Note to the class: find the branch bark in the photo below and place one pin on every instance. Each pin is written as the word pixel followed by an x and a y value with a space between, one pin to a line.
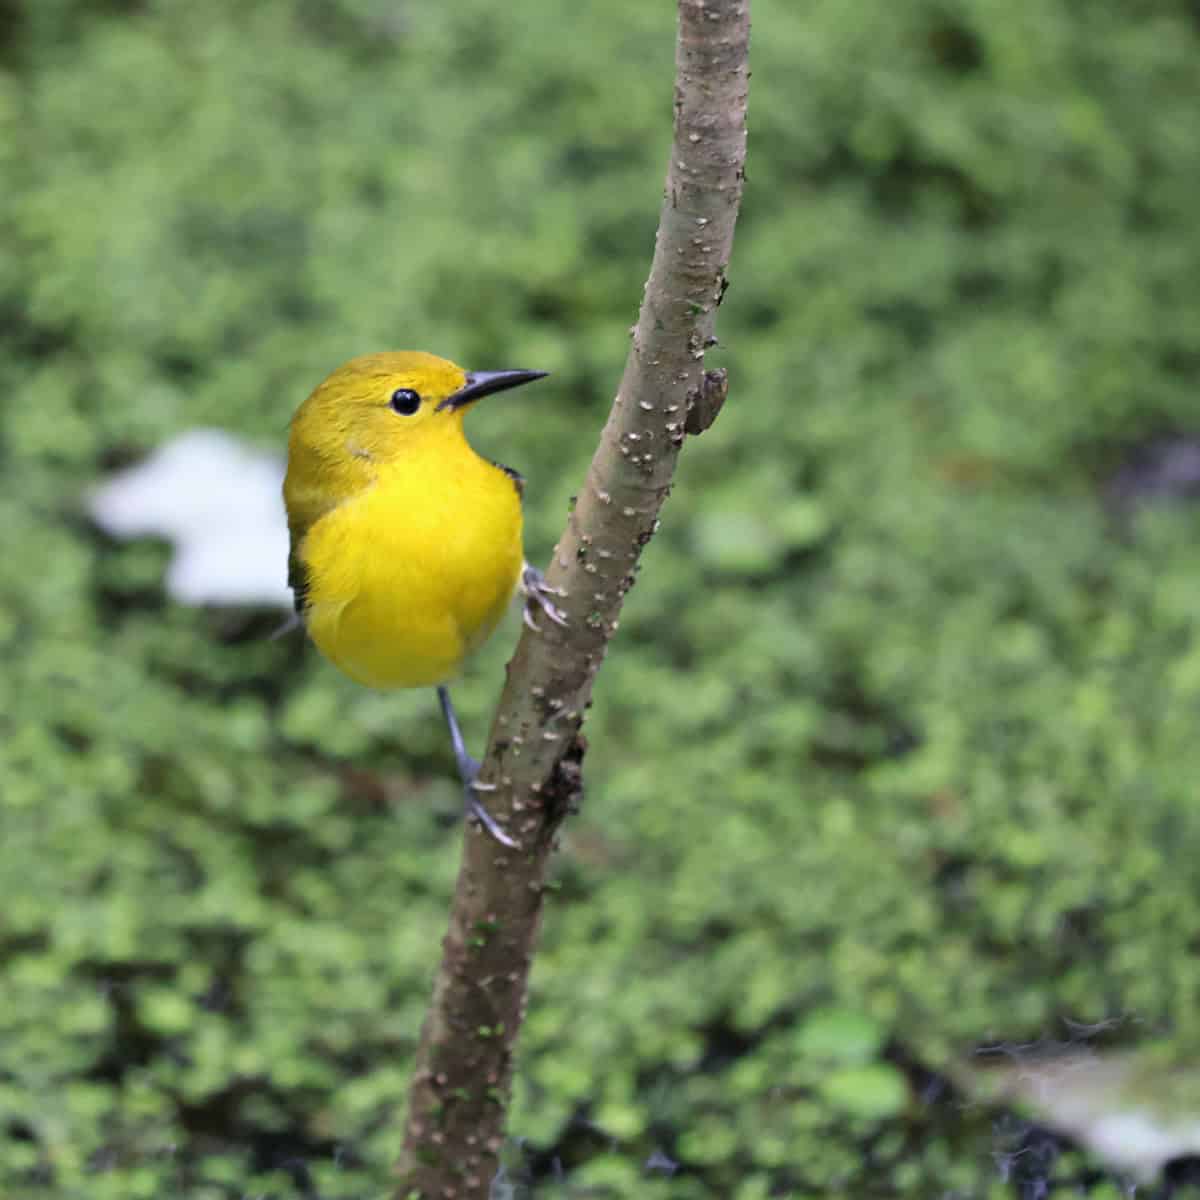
pixel 461 1083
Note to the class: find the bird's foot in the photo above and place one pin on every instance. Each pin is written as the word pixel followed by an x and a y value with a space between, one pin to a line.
pixel 468 772
pixel 474 806
pixel 475 809
pixel 538 593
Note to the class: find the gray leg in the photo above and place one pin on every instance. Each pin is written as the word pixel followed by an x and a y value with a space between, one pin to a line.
pixel 468 769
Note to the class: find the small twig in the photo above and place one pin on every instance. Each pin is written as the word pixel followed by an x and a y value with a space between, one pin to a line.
pixel 460 1089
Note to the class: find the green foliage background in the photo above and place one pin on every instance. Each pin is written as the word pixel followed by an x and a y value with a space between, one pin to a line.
pixel 896 753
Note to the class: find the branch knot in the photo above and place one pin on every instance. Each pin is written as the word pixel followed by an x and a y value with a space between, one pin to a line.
pixel 706 401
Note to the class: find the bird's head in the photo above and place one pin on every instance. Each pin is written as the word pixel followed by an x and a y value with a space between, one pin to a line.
pixel 379 407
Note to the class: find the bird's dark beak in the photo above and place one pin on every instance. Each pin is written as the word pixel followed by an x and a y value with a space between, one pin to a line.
pixel 484 383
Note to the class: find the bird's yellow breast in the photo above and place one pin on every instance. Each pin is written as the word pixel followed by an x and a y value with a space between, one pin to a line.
pixel 410 574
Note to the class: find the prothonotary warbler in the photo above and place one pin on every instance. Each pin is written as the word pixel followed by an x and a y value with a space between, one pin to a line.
pixel 405 543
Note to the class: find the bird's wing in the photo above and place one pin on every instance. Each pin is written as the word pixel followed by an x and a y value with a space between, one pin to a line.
pixel 297 578
pixel 516 476
pixel 306 505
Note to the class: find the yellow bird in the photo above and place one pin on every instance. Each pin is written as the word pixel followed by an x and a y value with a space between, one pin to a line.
pixel 405 543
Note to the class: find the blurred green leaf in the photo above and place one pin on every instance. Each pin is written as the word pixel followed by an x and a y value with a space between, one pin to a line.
pixel 840 1036
pixel 873 1091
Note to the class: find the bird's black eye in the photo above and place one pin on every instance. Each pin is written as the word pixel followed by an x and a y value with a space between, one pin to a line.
pixel 405 401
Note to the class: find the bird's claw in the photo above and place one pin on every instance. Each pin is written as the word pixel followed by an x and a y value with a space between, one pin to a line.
pixel 538 595
pixel 468 771
pixel 475 809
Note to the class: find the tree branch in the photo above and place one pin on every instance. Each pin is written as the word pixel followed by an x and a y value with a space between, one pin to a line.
pixel 461 1083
